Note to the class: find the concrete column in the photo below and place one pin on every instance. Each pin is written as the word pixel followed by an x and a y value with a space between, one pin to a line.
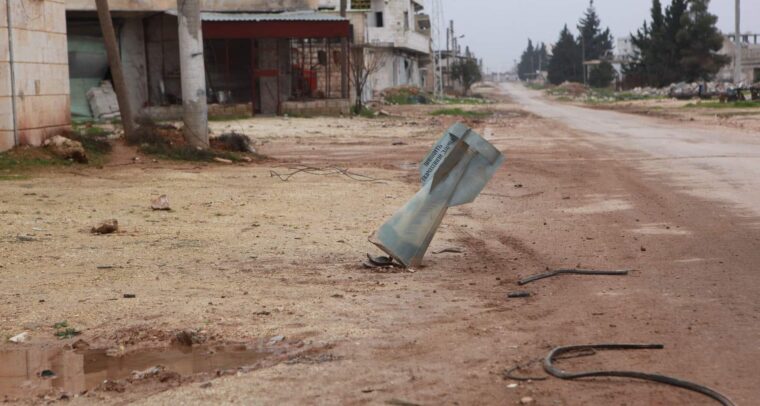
pixel 135 62
pixel 738 46
pixel 193 73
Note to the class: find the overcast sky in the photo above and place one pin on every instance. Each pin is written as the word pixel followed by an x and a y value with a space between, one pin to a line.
pixel 498 30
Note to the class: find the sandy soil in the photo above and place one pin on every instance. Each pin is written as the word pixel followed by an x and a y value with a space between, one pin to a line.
pixel 244 255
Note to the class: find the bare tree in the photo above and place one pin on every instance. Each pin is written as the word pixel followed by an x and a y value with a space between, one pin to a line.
pixel 114 60
pixel 364 63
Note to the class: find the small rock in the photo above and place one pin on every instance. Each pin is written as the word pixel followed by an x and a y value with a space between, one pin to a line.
pixel 512 386
pixel 247 159
pixel 160 203
pixel 106 227
pixel 20 338
pixel 526 400
pixel 25 238
pixel 205 385
pixel 276 339
pixel 222 160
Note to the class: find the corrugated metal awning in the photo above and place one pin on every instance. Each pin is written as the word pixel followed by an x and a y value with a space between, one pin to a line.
pixel 291 16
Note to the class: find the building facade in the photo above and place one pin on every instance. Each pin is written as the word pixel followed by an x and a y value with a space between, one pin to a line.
pixel 34 86
pixel 272 56
pixel 396 32
pixel 750 58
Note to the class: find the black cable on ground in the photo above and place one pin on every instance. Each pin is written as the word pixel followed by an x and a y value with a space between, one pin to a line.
pixel 544 275
pixel 559 351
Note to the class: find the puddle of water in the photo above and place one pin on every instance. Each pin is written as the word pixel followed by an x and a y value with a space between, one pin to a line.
pixel 32 371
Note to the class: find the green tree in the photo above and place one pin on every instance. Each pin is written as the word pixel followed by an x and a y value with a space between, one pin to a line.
pixel 564 65
pixel 468 71
pixel 526 69
pixel 680 44
pixel 595 44
pixel 601 75
pixel 699 42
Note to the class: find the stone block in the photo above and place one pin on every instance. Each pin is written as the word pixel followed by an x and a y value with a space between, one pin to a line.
pixel 5 79
pixel 6 114
pixel 6 140
pixel 55 17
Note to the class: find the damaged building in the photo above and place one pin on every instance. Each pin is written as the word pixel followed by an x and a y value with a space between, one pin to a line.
pixel 397 32
pixel 262 57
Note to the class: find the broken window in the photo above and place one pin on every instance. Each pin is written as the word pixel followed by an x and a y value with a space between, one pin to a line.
pixel 406 21
pixel 379 19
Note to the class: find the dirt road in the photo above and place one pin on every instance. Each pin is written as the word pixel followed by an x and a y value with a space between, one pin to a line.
pixel 245 256
pixel 713 162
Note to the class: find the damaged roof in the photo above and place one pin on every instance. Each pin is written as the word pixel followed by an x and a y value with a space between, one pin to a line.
pixel 262 17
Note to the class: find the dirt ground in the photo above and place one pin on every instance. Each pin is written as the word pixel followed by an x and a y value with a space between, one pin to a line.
pixel 244 256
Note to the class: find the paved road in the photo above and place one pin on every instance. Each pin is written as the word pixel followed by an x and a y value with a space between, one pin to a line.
pixel 720 164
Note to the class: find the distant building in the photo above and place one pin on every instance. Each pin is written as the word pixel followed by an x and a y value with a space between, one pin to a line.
pixel 750 58
pixel 398 32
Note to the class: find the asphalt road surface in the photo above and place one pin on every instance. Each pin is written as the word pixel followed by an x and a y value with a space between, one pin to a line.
pixel 709 162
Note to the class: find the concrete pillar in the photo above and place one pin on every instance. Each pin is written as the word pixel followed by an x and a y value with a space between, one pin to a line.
pixel 738 46
pixel 193 73
pixel 135 62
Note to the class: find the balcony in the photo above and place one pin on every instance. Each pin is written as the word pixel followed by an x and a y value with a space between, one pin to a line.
pixel 404 39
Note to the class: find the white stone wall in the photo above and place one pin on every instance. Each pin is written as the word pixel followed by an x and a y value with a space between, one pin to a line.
pixel 41 71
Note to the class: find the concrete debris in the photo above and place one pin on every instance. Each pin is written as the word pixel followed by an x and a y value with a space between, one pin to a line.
pixel 103 102
pixel 276 339
pixel 150 372
pixel 454 173
pixel 65 148
pixel 20 338
pixel 160 203
pixel 106 227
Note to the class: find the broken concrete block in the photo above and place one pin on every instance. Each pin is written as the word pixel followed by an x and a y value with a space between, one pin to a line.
pixel 103 102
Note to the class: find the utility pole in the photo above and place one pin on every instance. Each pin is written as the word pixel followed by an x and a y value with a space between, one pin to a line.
pixel 738 46
pixel 192 73
pixel 117 73
pixel 583 58
pixel 344 50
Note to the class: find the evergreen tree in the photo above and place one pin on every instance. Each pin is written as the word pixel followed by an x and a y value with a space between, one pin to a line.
pixel 595 44
pixel 542 58
pixel 526 69
pixel 699 41
pixel 564 64
pixel 679 45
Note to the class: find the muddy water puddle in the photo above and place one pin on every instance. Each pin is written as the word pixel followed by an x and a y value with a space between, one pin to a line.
pixel 32 371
